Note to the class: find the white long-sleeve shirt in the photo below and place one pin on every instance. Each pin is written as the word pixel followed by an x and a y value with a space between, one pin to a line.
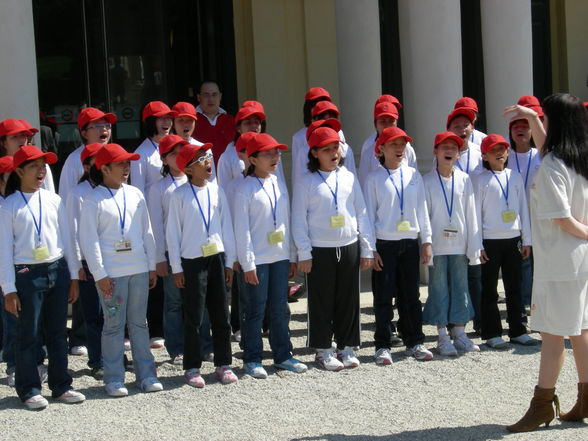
pixel 18 234
pixel 71 172
pixel 300 155
pixel 158 203
pixel 368 162
pixel 230 166
pixel 476 138
pixel 186 231
pixel 100 227
pixel 73 208
pixel 468 240
pixel 253 221
pixel 146 171
pixel 527 164
pixel 470 160
pixel 384 203
pixel 313 206
pixel 491 205
pixel 49 183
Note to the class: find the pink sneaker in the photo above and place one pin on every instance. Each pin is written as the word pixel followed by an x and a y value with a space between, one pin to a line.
pixel 225 375
pixel 193 378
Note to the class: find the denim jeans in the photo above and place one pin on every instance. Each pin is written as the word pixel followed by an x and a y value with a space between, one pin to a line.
pixel 128 304
pixel 448 300
pixel 273 292
pixel 43 291
pixel 526 281
pixel 93 317
pixel 475 290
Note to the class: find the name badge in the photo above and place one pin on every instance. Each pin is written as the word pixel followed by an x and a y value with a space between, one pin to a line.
pixel 209 249
pixel 122 246
pixel 275 237
pixel 337 221
pixel 403 226
pixel 41 253
pixel 509 216
pixel 450 232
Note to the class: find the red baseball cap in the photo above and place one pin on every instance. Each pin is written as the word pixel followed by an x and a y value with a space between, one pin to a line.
pixel 249 110
pixel 467 102
pixel 253 103
pixel 90 114
pixel 317 92
pixel 169 142
pixel 183 108
pixel 6 164
pixel 490 141
pixel 444 136
pixel 323 132
pixel 90 150
pixel 263 141
pixel 11 126
pixel 113 153
pixel 461 111
pixel 324 106
pixel 156 109
pixel 531 102
pixel 389 99
pixel 30 153
pixel 187 153
pixel 385 109
pixel 243 140
pixel 390 134
pixel 586 104
pixel 29 127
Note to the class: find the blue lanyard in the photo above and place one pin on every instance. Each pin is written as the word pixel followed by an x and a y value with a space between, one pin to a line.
pixel 174 181
pixel 504 193
pixel 38 225
pixel 206 222
pixel 528 165
pixel 447 205
pixel 467 170
pixel 400 193
pixel 153 144
pixel 121 216
pixel 334 193
pixel 273 205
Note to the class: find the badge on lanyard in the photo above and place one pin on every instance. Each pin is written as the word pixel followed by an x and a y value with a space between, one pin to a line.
pixel 210 248
pixel 402 226
pixel 508 215
pixel 123 245
pixel 337 221
pixel 449 232
pixel 275 236
pixel 40 252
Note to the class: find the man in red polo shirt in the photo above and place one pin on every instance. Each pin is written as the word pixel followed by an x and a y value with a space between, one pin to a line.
pixel 214 124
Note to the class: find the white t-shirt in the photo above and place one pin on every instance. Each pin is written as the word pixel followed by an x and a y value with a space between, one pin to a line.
pixel 476 137
pixel 73 208
pixel 558 192
pixel 71 172
pixel 146 171
pixel 527 164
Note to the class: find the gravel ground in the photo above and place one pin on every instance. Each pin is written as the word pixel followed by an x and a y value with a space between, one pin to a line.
pixel 471 397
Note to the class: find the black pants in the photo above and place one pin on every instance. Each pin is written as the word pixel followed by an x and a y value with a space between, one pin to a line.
pixel 399 278
pixel 155 310
pixel 333 297
pixel 502 254
pixel 205 288
pixel 77 333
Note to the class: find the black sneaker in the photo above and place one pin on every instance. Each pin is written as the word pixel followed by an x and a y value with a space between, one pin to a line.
pixel 395 340
pixel 97 373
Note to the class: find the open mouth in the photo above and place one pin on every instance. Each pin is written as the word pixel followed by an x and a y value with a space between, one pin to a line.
pixel 40 178
pixel 208 169
pixel 104 138
pixel 273 164
pixel 499 158
pixel 165 129
pixel 186 131
pixel 448 158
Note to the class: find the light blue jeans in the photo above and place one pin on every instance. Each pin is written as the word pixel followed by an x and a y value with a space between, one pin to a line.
pixel 128 304
pixel 449 299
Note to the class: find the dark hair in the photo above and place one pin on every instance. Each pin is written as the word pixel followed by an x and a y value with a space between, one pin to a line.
pixel 307 109
pixel 2 148
pixel 96 175
pixel 149 127
pixel 251 168
pixel 511 139
pixel 165 168
pixel 209 82
pixel 13 182
pixel 84 139
pixel 314 164
pixel 382 159
pixel 486 164
pixel 86 175
pixel 237 134
pixel 567 131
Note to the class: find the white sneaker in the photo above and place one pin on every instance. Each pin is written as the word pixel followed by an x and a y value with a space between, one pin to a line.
pixel 36 402
pixel 525 340
pixel 327 360
pixel 464 344
pixel 156 343
pixel 256 370
pixel 497 343
pixel 10 379
pixel 383 357
pixel 116 389
pixel 178 359
pixel 151 384
pixel 419 352
pixel 127 344
pixel 445 347
pixel 348 358
pixel 71 397
pixel 78 350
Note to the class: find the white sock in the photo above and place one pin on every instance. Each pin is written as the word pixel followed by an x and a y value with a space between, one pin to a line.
pixel 458 330
pixel 442 332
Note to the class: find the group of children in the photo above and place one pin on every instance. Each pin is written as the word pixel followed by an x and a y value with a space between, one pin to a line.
pixel 125 219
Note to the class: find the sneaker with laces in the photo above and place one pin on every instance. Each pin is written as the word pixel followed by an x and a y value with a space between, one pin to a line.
pixel 395 340
pixel 151 384
pixel 193 378
pixel 464 344
pixel 292 365
pixel 178 359
pixel 237 336
pixel 71 397
pixel 127 344
pixel 208 357
pixel 383 357
pixel 97 373
pixel 156 343
pixel 348 358
pixel 419 352
pixel 256 370
pixel 445 347
pixel 43 373
pixel 525 340
pixel 78 350
pixel 327 360
pixel 36 402
pixel 225 374
pixel 10 379
pixel 116 389
pixel 497 343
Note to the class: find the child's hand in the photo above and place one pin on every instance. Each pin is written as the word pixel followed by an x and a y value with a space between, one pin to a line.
pixel 179 280
pixel 526 251
pixel 106 284
pixel 251 277
pixel 229 276
pixel 426 253
pixel 366 263
pixel 519 112
pixel 483 257
pixel 293 270
pixel 152 279
pixel 74 292
pixel 82 274
pixel 378 263
pixel 162 269
pixel 12 303
pixel 305 266
pixel 237 267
